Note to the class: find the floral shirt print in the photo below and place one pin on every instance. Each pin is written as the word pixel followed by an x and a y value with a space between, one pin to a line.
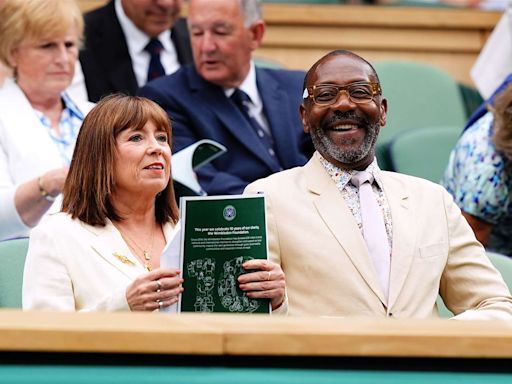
pixel 480 181
pixel 350 193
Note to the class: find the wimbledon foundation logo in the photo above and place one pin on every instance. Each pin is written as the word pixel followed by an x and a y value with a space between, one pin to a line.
pixel 229 212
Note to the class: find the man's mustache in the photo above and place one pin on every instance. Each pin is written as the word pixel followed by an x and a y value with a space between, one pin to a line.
pixel 340 116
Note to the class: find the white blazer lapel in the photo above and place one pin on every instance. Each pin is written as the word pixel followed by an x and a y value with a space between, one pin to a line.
pixel 108 244
pixel 404 234
pixel 340 221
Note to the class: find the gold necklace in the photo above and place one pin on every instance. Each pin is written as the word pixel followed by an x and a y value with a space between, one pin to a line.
pixel 146 260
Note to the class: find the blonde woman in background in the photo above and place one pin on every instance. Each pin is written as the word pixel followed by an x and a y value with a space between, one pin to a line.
pixel 39 122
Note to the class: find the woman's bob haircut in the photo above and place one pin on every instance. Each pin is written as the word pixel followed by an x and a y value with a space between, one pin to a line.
pixel 91 179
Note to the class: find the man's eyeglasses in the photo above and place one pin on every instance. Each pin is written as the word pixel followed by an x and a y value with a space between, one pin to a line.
pixel 361 92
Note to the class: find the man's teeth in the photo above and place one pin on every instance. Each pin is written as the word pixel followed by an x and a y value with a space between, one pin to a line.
pixel 344 127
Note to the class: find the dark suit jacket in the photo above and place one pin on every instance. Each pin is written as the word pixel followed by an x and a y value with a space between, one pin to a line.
pixel 105 60
pixel 200 110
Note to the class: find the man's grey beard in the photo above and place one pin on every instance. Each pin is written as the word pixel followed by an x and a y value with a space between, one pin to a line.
pixel 325 145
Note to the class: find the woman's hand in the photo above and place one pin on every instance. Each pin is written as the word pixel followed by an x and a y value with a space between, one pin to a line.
pixel 266 281
pixel 53 181
pixel 154 290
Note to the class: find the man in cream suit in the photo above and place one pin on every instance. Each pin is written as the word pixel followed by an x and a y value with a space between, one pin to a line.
pixel 317 224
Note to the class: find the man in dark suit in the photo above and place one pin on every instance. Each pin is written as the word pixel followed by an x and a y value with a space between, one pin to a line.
pixel 260 126
pixel 114 58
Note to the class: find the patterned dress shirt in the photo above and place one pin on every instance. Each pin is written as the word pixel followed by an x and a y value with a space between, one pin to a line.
pixel 69 125
pixel 350 193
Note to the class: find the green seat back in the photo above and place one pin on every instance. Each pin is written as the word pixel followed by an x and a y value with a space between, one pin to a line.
pixel 264 62
pixel 504 265
pixel 12 255
pixel 419 95
pixel 423 152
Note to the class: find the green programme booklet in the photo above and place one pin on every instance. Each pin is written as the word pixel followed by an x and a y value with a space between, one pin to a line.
pixel 218 234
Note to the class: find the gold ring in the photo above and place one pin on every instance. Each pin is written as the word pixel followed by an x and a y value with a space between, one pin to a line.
pixel 269 274
pixel 158 286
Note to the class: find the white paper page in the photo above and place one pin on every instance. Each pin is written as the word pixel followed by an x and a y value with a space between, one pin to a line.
pixel 183 170
pixel 495 60
pixel 170 258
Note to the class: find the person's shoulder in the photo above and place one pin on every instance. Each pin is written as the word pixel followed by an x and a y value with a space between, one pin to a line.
pixel 178 78
pixel 480 128
pixel 59 220
pixel 417 184
pixel 283 73
pixel 99 13
pixel 171 87
pixel 277 181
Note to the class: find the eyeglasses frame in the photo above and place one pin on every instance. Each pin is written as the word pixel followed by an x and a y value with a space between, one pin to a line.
pixel 376 90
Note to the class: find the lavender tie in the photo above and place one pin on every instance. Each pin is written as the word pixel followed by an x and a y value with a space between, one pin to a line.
pixel 374 229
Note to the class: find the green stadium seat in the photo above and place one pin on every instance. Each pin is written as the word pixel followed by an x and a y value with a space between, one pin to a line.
pixel 419 95
pixel 12 254
pixel 423 152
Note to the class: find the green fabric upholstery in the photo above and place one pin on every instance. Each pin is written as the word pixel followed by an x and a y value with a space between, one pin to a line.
pixel 502 263
pixel 264 62
pixel 419 95
pixel 472 98
pixel 12 254
pixel 423 152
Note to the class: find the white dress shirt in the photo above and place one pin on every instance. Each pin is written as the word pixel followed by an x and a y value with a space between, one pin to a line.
pixel 250 87
pixel 136 40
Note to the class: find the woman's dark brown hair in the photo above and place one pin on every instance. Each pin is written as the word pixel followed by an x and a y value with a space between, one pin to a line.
pixel 91 178
pixel 502 128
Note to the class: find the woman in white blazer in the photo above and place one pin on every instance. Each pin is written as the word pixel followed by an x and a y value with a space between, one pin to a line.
pixel 102 252
pixel 39 123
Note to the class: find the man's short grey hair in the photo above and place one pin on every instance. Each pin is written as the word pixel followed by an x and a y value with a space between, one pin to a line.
pixel 251 10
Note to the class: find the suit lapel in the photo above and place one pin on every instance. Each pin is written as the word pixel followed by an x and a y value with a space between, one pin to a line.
pixel 275 99
pixel 230 116
pixel 108 244
pixel 335 213
pixel 402 216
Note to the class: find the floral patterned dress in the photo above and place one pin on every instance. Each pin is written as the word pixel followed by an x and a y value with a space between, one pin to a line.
pixel 480 181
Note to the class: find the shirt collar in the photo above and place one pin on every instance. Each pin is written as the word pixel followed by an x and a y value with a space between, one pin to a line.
pixel 71 106
pixel 136 40
pixel 342 176
pixel 249 86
